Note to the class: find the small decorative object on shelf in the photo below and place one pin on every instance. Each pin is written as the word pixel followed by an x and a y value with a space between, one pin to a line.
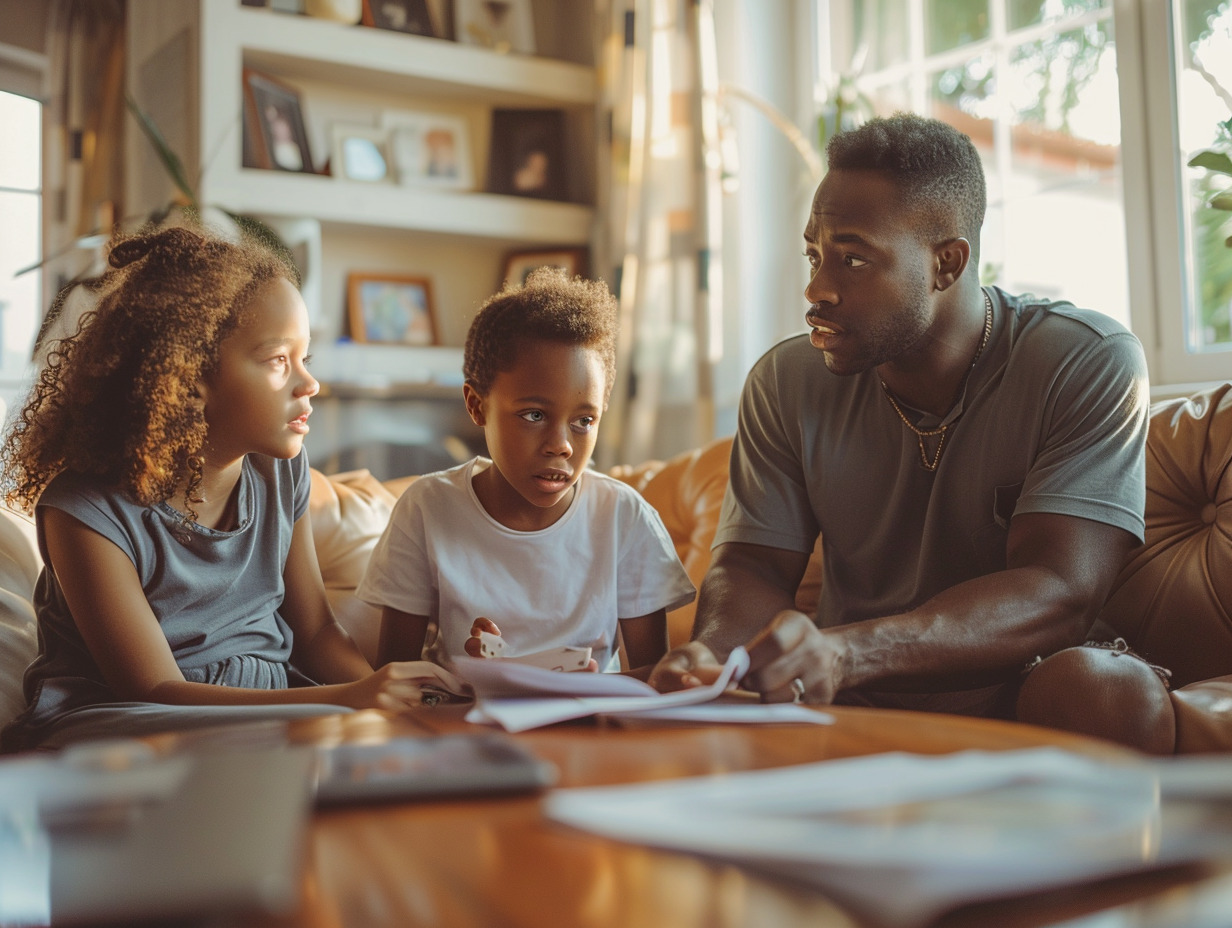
pixel 502 25
pixel 339 11
pixel 392 308
pixel 430 149
pixel 528 154
pixel 410 16
pixel 359 153
pixel 274 132
pixel 518 264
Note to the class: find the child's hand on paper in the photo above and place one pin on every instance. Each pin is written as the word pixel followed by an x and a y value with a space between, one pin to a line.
pixel 474 644
pixel 692 664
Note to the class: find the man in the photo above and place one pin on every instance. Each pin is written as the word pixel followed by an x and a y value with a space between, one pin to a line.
pixel 973 462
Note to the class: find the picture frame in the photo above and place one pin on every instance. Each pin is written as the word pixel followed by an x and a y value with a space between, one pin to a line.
pixel 359 153
pixel 430 149
pixel 390 308
pixel 501 25
pixel 519 264
pixel 527 156
pixel 275 137
pixel 410 16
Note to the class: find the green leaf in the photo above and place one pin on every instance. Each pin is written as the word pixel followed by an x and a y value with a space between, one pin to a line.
pixel 170 160
pixel 1212 161
pixel 1222 200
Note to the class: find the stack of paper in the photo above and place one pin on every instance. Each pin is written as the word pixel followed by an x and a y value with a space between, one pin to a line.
pixel 901 838
pixel 519 697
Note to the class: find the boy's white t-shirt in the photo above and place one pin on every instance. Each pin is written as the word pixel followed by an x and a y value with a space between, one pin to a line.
pixel 607 558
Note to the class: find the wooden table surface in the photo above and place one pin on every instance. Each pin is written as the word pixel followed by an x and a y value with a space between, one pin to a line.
pixel 493 862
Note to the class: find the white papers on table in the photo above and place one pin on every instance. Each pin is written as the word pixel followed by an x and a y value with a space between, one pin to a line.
pixel 519 697
pixel 900 838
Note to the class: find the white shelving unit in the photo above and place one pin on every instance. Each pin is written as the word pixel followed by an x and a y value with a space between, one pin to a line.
pixel 186 61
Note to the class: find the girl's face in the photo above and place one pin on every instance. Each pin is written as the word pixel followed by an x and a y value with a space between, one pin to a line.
pixel 259 399
pixel 540 421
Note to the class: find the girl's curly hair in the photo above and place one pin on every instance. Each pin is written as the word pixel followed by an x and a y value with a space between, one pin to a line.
pixel 118 397
pixel 548 306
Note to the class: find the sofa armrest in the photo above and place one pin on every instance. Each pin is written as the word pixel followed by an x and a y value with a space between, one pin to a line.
pixel 1204 716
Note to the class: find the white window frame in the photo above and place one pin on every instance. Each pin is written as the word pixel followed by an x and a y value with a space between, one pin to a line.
pixel 1152 169
pixel 23 72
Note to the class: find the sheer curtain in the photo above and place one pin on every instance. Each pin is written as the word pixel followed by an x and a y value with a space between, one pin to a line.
pixel 659 249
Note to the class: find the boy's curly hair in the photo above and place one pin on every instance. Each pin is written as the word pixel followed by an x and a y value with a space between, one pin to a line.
pixel 548 306
pixel 118 397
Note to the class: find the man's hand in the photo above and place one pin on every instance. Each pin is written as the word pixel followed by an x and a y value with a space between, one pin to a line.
pixel 792 648
pixel 692 664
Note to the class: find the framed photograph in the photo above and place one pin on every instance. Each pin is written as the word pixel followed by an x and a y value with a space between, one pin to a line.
pixel 275 136
pixel 430 150
pixel 411 16
pixel 519 264
pixel 359 153
pixel 390 308
pixel 527 157
pixel 501 25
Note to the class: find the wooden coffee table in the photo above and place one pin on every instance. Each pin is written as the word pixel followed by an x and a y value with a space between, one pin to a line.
pixel 498 862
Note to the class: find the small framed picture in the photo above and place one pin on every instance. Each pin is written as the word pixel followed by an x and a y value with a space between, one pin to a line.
pixel 519 264
pixel 411 16
pixel 430 149
pixel 390 308
pixel 502 25
pixel 527 157
pixel 359 153
pixel 274 132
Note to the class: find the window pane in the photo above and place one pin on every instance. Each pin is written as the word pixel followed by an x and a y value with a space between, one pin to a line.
pixel 19 296
pixel 951 23
pixel 20 235
pixel 876 37
pixel 1204 100
pixel 1023 13
pixel 19 160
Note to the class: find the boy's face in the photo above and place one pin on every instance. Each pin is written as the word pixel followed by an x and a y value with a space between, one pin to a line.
pixel 540 420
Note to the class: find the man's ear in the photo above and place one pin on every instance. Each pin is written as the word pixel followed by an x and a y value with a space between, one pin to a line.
pixel 474 404
pixel 951 259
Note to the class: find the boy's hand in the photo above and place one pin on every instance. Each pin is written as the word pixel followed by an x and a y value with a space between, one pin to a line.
pixel 475 644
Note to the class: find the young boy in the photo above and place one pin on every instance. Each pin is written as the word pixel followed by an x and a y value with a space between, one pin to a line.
pixel 530 544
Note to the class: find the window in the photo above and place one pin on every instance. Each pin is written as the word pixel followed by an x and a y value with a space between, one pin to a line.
pixel 1089 198
pixel 20 235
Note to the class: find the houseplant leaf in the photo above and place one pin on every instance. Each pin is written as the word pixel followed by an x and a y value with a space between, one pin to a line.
pixel 1213 161
pixel 170 160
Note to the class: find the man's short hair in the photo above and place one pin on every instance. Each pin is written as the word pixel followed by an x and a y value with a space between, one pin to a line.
pixel 936 168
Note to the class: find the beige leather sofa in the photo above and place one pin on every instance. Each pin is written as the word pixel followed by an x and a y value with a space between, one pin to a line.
pixel 1172 601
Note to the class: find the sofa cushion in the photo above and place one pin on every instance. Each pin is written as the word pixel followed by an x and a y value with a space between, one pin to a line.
pixel 19 568
pixel 1173 600
pixel 349 512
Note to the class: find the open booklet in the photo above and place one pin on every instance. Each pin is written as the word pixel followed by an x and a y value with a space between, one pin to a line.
pixel 519 697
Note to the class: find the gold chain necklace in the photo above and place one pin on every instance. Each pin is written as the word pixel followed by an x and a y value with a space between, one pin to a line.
pixel 943 430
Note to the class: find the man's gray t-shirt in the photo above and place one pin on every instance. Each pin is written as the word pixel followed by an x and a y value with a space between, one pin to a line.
pixel 1053 420
pixel 216 595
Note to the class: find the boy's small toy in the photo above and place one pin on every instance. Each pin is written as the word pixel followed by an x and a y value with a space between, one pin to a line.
pixel 566 658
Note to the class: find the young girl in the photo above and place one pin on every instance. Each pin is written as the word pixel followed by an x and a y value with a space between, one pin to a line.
pixel 161 452
pixel 530 544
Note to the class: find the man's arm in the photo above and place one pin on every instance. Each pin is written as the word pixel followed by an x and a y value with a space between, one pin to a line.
pixel 1059 571
pixel 745 587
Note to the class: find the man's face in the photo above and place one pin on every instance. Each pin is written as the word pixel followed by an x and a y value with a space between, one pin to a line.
pixel 870 287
